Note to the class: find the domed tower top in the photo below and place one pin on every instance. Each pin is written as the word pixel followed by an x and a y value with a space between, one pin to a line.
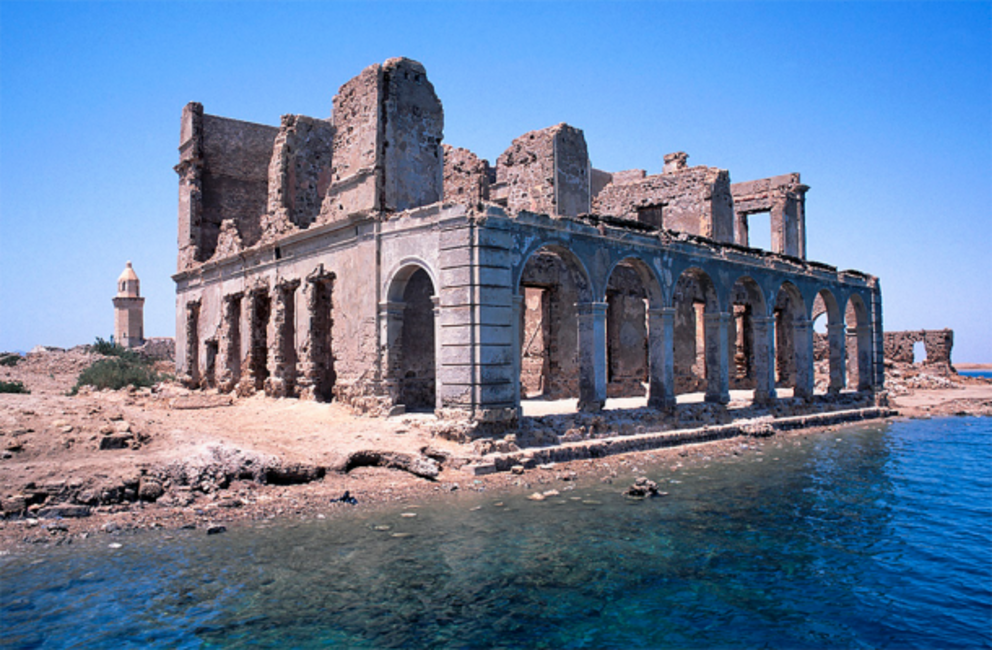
pixel 128 285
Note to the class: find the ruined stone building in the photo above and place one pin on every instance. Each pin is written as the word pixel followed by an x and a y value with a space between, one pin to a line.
pixel 357 258
pixel 129 310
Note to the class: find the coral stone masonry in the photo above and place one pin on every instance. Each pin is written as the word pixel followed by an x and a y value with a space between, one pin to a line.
pixel 359 259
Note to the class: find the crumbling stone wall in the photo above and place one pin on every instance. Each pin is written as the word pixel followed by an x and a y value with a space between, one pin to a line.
pixel 466 176
pixel 224 176
pixel 694 200
pixel 356 183
pixel 545 171
pixel 938 344
pixel 300 169
pixel 388 124
pixel 414 124
pixel 784 197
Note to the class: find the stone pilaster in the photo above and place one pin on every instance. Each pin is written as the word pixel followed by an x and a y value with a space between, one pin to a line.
pixel 803 330
pixel 717 366
pixel 764 359
pixel 592 355
pixel 661 358
pixel 838 356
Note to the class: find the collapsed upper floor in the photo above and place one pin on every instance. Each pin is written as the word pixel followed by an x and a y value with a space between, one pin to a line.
pixel 381 153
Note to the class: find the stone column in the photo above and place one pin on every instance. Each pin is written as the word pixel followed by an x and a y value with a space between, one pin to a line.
pixel 803 339
pixel 592 355
pixel 764 359
pixel 661 358
pixel 282 351
pixel 838 355
pixel 717 368
pixel 391 324
pixel 230 344
pixel 517 304
pixel 192 375
pixel 862 334
pixel 436 302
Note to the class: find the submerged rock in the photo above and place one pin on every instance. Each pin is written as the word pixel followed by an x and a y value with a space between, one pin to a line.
pixel 643 487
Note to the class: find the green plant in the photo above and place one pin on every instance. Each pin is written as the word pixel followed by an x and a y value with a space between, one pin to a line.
pixel 110 349
pixel 121 368
pixel 13 387
pixel 9 358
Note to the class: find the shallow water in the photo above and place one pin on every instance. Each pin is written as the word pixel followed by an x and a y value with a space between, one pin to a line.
pixel 976 373
pixel 871 537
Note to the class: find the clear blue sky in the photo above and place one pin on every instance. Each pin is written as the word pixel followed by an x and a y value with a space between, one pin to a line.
pixel 885 109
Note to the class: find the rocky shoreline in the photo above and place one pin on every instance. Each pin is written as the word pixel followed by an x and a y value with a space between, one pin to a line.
pixel 107 463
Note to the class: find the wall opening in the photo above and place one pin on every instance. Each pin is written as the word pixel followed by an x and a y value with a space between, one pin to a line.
pixel 286 361
pixel 261 309
pixel 535 344
pixel 322 373
pixel 919 352
pixel 193 342
pixel 417 370
pixel 651 215
pixel 551 286
pixel 210 362
pixel 694 299
pixel 626 334
pixel 742 351
pixel 233 318
pixel 759 230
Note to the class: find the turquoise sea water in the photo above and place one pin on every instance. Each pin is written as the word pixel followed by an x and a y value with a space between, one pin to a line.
pixel 977 373
pixel 875 537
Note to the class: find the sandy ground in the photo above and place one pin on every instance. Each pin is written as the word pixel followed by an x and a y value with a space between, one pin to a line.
pixel 201 459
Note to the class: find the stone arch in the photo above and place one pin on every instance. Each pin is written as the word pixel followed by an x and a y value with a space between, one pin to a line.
pixel 554 290
pixel 632 293
pixel 829 347
pixel 410 360
pixel 747 342
pixel 700 337
pixel 646 274
pixel 400 274
pixel 859 357
pixel 793 340
pixel 574 263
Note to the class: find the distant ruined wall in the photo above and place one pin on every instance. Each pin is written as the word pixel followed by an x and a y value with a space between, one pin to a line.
pixel 938 344
pixel 899 346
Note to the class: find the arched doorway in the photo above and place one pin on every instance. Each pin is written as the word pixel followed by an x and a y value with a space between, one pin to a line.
pixel 793 342
pixel 751 341
pixel 411 357
pixel 829 341
pixel 859 355
pixel 638 335
pixel 700 338
pixel 556 302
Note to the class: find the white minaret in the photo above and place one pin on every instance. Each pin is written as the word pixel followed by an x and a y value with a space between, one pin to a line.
pixel 129 310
